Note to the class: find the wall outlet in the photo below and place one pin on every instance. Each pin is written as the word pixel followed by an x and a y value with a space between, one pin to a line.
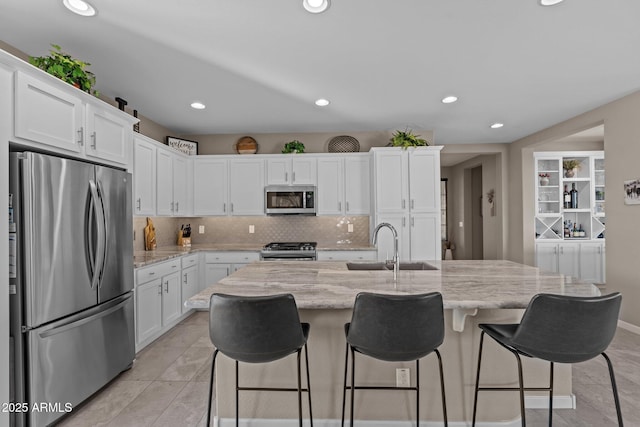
pixel 350 228
pixel 252 229
pixel 403 378
pixel 201 229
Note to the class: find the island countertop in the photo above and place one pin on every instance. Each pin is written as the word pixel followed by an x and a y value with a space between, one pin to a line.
pixel 465 285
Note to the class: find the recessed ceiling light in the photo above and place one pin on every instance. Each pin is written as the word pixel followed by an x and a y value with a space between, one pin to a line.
pixel 497 125
pixel 449 99
pixel 322 102
pixel 549 2
pixel 315 6
pixel 79 7
pixel 198 105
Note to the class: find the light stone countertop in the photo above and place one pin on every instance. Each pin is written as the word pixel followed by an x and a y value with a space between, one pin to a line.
pixel 145 258
pixel 465 285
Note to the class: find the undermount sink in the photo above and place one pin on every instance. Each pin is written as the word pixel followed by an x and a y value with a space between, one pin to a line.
pixel 384 266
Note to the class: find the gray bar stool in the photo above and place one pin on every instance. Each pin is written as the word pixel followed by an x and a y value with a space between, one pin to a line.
pixel 258 330
pixel 556 328
pixel 394 328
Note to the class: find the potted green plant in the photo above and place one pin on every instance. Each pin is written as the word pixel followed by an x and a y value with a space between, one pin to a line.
pixel 570 166
pixel 406 139
pixel 294 146
pixel 67 68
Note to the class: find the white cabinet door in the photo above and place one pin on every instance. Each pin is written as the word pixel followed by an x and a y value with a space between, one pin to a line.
pixel 357 191
pixel 214 273
pixel 109 138
pixel 144 174
pixel 246 187
pixel 48 115
pixel 352 255
pixel 547 257
pixel 148 309
pixel 385 237
pixel 164 180
pixel 424 181
pixel 171 300
pixel 190 284
pixel 210 186
pixel 425 238
pixel 278 170
pixel 303 170
pixel 180 186
pixel 591 262
pixel 391 181
pixel 330 186
pixel 569 259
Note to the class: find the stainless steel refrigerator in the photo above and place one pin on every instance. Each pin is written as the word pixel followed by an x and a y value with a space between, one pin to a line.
pixel 71 297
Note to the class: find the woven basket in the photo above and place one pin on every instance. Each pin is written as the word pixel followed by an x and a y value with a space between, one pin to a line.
pixel 344 144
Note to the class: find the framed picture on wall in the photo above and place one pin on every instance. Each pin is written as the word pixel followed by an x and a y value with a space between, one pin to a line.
pixel 632 192
pixel 183 145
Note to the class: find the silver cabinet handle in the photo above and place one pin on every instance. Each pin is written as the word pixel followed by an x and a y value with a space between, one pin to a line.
pixel 81 136
pixel 286 177
pixel 160 289
pixel 93 140
pixel 171 206
pixel 561 250
pixel 152 273
pixel 339 206
pixel 224 207
pixel 232 207
pixel 139 203
pixel 403 203
pixel 177 206
pixel 555 250
pixel 403 221
pixel 347 206
pixel 228 271
pixel 413 222
pixel 184 280
pixel 166 286
pixel 412 203
pixel 599 250
pixel 293 177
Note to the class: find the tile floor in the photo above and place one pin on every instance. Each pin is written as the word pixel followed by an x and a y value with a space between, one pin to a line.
pixel 168 386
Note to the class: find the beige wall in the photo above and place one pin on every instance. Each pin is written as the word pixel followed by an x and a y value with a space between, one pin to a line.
pixel 272 143
pixel 622 152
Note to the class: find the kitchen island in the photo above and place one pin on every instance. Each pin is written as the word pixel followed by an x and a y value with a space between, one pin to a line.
pixel 473 292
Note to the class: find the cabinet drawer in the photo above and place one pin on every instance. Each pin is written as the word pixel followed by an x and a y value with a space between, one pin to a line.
pixel 189 260
pixel 156 271
pixel 354 255
pixel 231 257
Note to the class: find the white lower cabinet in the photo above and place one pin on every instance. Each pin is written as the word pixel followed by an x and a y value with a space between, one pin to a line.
pixel 350 255
pixel 160 292
pixel 219 265
pixel 582 260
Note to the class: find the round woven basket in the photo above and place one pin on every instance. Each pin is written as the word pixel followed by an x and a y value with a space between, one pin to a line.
pixel 246 145
pixel 343 144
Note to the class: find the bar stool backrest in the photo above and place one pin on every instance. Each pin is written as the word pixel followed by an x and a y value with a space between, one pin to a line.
pixel 255 329
pixel 567 329
pixel 396 327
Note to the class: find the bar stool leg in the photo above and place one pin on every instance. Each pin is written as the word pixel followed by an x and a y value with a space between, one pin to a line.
pixel 418 393
pixel 353 384
pixel 551 394
pixel 444 400
pixel 306 358
pixel 475 396
pixel 521 383
pixel 344 388
pixel 213 366
pixel 237 396
pixel 615 389
pixel 299 391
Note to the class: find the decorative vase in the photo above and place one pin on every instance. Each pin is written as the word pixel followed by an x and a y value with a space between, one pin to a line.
pixel 569 173
pixel 544 180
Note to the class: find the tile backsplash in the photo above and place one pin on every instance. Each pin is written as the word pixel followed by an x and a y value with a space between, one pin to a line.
pixel 326 230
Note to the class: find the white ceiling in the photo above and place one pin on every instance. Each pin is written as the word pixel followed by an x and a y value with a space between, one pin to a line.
pixel 259 65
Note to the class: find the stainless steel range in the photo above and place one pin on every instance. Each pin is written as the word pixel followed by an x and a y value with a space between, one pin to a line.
pixel 289 251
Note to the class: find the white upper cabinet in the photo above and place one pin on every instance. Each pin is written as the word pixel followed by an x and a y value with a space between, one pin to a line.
pixel 210 185
pixel 59 117
pixel 424 181
pixel 144 177
pixel 246 186
pixel 182 188
pixel 48 115
pixel 291 169
pixel 164 193
pixel 343 185
pixel 391 170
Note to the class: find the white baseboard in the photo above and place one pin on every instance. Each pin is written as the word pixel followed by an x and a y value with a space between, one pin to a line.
pixel 629 327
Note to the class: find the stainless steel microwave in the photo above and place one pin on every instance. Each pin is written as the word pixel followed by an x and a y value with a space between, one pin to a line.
pixel 290 200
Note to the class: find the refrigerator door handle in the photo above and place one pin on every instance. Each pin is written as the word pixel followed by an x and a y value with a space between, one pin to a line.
pixel 99 215
pixel 105 230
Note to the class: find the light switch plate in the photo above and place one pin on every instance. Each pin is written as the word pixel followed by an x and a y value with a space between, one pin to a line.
pixel 350 228
pixel 252 229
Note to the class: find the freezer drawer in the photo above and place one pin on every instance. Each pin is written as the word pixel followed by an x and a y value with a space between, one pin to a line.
pixel 71 359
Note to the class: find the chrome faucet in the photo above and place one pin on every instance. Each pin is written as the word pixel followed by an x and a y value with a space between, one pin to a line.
pixel 395 245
